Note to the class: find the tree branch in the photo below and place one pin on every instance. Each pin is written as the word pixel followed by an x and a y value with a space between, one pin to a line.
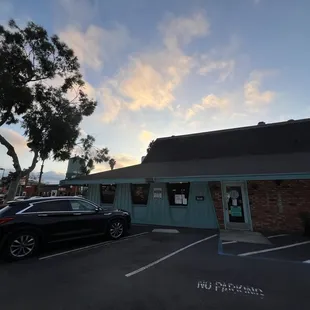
pixel 33 164
pixel 11 152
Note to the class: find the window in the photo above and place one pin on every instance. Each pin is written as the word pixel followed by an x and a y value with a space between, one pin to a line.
pixel 140 193
pixel 178 194
pixel 80 205
pixel 49 206
pixel 108 193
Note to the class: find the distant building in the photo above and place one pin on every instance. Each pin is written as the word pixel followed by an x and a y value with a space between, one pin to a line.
pixel 74 168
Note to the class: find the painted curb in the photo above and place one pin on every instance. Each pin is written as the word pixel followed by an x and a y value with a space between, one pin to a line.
pixel 163 230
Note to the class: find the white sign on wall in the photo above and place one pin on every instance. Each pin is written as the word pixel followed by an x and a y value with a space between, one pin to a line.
pixel 158 193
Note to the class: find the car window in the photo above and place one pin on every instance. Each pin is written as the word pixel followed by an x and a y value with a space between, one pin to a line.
pixel 80 205
pixel 49 206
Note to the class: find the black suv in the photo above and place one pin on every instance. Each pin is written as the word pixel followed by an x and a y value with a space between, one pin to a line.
pixel 26 225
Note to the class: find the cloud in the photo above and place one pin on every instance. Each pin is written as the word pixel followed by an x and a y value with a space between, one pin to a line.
pixel 79 12
pixel 52 176
pixel 225 68
pixel 112 104
pixel 150 80
pixel 96 45
pixel 17 140
pixel 253 96
pixel 125 160
pixel 179 31
pixel 208 102
pixel 122 160
pixel 151 77
pixel 146 136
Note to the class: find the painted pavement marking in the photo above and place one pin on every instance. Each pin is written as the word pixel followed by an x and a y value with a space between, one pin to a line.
pixel 167 256
pixel 92 246
pixel 307 261
pixel 228 242
pixel 275 236
pixel 274 249
pixel 237 289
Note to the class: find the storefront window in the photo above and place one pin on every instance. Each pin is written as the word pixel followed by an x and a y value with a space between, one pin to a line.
pixel 178 194
pixel 140 193
pixel 108 193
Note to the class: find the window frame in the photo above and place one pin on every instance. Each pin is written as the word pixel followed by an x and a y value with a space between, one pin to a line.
pixel 82 201
pixel 28 210
pixel 101 194
pixel 135 203
pixel 170 191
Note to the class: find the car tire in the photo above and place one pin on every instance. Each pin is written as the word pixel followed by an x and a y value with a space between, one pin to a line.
pixel 21 245
pixel 116 229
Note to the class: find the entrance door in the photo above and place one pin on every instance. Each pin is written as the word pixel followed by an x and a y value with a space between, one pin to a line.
pixel 236 208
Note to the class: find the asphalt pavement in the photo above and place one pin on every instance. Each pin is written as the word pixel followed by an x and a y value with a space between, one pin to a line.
pixel 152 271
pixel 283 247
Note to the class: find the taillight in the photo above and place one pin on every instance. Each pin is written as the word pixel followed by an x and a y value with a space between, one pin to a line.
pixel 6 219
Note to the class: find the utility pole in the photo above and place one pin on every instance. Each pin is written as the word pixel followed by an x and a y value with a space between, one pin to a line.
pixel 40 178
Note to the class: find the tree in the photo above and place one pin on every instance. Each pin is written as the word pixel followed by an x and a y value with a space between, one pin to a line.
pixel 150 146
pixel 30 64
pixel 112 163
pixel 89 155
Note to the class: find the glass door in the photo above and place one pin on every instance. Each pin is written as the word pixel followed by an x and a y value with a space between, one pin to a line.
pixel 235 205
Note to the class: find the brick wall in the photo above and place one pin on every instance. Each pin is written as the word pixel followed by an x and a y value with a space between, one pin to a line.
pixel 276 206
pixel 216 194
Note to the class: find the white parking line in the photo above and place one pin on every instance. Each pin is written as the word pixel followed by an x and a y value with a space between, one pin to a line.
pixel 92 246
pixel 275 236
pixel 274 249
pixel 228 242
pixel 167 256
pixel 307 261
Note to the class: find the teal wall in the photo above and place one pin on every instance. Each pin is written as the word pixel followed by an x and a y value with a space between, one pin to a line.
pixel 93 193
pixel 198 214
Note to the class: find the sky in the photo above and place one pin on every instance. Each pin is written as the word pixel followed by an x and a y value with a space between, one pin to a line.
pixel 172 67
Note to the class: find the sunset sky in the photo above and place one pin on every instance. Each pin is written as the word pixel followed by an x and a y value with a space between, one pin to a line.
pixel 171 67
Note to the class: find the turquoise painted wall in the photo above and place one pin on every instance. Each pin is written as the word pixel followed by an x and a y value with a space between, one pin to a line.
pixel 93 193
pixel 198 214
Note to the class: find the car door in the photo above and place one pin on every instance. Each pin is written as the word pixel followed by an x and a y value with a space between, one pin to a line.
pixel 89 219
pixel 54 218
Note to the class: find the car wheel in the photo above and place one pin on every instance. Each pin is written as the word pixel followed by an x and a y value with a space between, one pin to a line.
pixel 116 229
pixel 22 245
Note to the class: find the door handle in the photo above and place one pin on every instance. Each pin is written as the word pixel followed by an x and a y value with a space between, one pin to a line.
pixel 42 214
pixel 77 213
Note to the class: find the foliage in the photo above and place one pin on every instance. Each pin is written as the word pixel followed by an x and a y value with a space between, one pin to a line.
pixel 112 163
pixel 7 180
pixel 31 66
pixel 90 155
pixel 150 146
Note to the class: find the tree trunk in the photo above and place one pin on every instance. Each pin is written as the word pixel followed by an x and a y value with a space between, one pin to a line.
pixel 12 189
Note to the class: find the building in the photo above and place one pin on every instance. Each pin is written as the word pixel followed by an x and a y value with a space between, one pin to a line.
pixel 74 168
pixel 251 178
pixel 47 190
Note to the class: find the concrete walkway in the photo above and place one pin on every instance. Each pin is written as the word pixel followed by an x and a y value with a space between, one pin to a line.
pixel 243 236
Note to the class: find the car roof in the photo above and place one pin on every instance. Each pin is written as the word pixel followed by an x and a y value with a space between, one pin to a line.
pixel 45 199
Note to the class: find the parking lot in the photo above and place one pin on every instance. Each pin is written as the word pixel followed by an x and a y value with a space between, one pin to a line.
pixel 148 270
pixel 284 247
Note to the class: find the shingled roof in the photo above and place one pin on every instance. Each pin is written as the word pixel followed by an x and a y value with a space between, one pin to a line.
pixel 276 149
pixel 276 138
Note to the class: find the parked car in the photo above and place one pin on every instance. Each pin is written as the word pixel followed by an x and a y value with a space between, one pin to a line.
pixel 25 226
